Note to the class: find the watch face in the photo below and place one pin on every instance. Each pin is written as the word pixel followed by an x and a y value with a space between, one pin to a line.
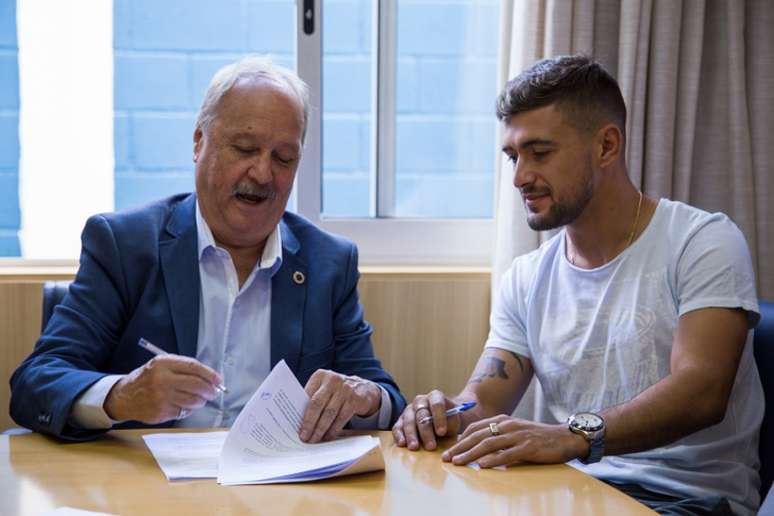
pixel 587 421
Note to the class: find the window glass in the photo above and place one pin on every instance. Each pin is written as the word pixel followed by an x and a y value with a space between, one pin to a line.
pixel 445 123
pixel 445 86
pixel 346 117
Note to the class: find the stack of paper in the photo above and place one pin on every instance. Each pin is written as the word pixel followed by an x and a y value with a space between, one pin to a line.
pixel 263 446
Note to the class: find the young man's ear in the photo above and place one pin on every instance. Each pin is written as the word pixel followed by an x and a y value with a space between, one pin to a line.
pixel 609 145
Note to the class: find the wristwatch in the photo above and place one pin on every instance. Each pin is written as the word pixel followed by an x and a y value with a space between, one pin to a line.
pixel 592 427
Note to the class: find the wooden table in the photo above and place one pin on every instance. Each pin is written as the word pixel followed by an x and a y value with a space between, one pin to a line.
pixel 117 474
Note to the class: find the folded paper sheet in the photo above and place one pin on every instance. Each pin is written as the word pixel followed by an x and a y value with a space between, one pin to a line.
pixel 263 446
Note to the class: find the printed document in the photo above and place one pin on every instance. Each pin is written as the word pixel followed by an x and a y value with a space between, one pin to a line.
pixel 185 456
pixel 263 446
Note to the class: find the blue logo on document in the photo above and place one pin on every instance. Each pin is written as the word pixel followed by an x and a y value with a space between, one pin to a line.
pixel 265 395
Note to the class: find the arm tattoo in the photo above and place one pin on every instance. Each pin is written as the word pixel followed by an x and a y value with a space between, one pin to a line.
pixel 517 357
pixel 493 367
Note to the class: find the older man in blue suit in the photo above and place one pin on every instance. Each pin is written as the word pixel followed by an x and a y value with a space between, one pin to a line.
pixel 223 280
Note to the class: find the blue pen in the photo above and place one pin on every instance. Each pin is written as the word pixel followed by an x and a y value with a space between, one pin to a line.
pixel 452 411
pixel 148 346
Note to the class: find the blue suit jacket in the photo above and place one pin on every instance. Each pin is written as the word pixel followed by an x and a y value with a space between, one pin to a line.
pixel 139 277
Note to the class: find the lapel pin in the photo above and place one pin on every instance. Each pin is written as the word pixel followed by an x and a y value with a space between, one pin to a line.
pixel 299 277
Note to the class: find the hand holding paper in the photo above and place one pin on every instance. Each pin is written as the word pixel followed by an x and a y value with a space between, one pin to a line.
pixel 263 446
pixel 334 399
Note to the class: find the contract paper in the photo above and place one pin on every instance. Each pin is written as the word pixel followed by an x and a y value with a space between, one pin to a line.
pixel 185 456
pixel 263 446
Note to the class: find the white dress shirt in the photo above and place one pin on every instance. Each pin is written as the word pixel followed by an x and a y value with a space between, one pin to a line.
pixel 234 339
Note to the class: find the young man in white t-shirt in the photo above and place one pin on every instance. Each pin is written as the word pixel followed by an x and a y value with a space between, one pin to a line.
pixel 635 317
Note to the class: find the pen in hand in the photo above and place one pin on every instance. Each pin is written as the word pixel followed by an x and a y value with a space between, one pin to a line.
pixel 148 346
pixel 452 411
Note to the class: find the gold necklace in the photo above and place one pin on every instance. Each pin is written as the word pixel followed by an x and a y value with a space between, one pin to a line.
pixel 636 220
pixel 631 233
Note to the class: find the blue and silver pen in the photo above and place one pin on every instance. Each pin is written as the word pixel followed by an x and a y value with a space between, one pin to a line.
pixel 452 411
pixel 148 346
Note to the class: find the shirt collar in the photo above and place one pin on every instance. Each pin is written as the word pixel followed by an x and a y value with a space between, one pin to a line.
pixel 272 251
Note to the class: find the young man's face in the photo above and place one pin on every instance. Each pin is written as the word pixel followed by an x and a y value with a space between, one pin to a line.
pixel 552 166
pixel 246 160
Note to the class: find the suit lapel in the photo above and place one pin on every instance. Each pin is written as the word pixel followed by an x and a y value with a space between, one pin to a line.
pixel 288 297
pixel 180 266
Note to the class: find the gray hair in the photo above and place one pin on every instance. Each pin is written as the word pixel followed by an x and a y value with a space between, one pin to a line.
pixel 252 67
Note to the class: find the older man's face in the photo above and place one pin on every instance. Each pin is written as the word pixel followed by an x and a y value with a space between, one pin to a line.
pixel 246 160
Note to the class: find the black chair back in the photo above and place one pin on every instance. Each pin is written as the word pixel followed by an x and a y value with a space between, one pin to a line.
pixel 53 293
pixel 764 358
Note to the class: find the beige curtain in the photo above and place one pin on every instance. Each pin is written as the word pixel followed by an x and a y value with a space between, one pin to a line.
pixel 698 80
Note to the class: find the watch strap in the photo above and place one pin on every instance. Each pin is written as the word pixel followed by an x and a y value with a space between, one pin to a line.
pixel 596 449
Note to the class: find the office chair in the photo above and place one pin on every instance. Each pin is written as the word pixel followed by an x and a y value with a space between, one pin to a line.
pixel 53 293
pixel 763 343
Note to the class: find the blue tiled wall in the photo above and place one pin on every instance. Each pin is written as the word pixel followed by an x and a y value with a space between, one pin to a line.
pixel 165 54
pixel 9 131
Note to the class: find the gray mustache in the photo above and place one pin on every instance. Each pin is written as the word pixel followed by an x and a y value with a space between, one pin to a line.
pixel 255 190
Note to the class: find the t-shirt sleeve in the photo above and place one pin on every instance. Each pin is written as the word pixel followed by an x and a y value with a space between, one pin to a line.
pixel 714 269
pixel 507 329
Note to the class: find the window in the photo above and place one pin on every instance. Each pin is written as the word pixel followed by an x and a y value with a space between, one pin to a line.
pixel 407 132
pixel 400 157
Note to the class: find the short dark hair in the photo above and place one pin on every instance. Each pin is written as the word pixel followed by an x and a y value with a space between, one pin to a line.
pixel 584 92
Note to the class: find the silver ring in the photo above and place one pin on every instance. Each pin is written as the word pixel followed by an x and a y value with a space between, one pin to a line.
pixel 183 413
pixel 494 429
pixel 425 420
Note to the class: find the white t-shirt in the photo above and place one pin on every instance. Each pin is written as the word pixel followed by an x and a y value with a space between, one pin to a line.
pixel 599 337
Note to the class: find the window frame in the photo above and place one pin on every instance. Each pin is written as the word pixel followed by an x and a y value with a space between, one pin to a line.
pixel 384 238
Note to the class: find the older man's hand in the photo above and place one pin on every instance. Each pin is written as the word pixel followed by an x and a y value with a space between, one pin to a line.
pixel 334 399
pixel 166 387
